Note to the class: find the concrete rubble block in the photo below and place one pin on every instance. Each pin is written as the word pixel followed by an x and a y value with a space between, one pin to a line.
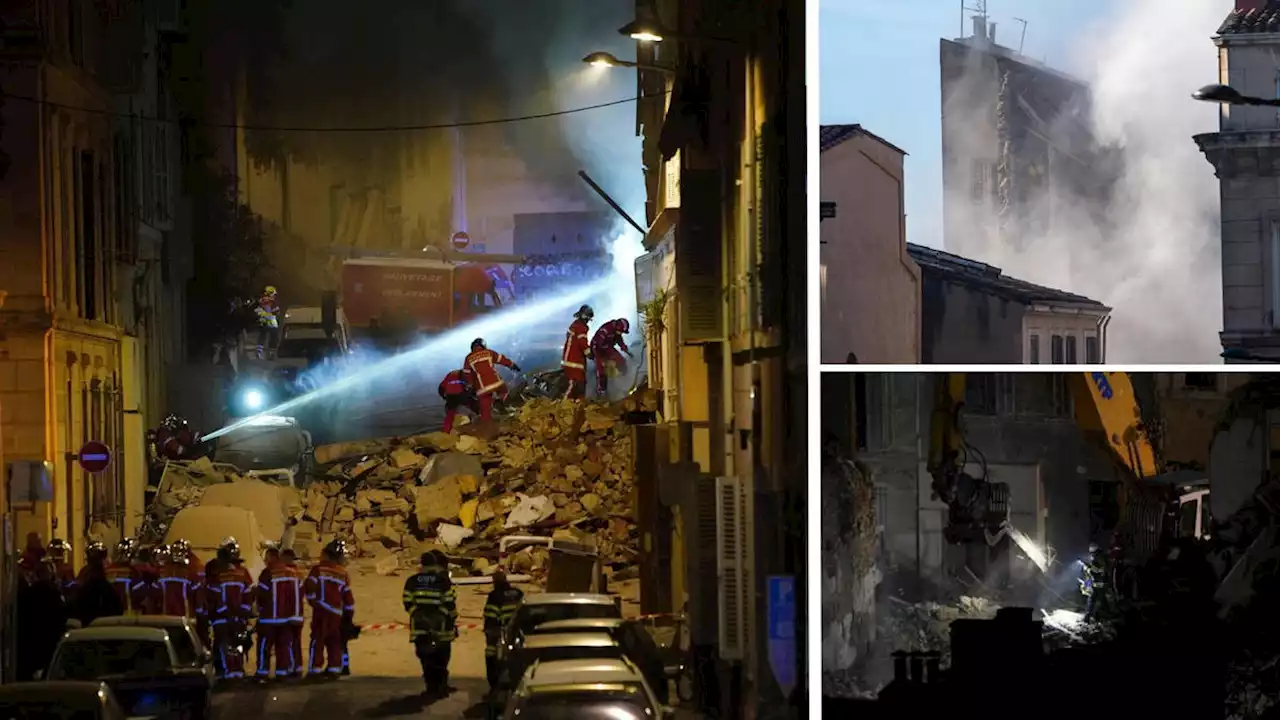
pixel 530 510
pixel 441 501
pixel 485 511
pixel 345 514
pixel 451 536
pixel 388 565
pixel 377 496
pixel 467 513
pixel 363 530
pixel 516 456
pixel 404 457
pixel 315 506
pixel 471 445
pixel 449 464
pixel 394 506
pixel 597 418
pixel 591 502
pixel 338 452
pixel 364 505
pixel 364 466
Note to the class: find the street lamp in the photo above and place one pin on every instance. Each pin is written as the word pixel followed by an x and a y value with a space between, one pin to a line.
pixel 604 59
pixel 1227 95
pixel 645 28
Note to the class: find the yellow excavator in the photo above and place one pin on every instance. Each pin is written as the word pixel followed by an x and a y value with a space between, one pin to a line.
pixel 1154 506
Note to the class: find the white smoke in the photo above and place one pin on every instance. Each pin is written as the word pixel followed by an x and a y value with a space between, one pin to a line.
pixel 1154 255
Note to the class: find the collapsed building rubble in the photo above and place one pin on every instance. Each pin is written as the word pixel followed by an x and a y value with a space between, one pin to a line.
pixel 557 468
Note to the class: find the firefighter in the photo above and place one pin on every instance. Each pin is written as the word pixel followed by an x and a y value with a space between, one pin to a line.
pixel 328 590
pixel 32 556
pixel 146 595
pixel 295 577
pixel 577 350
pixel 174 439
pixel 458 392
pixel 123 575
pixel 268 312
pixel 230 594
pixel 95 596
pixel 59 552
pixel 1095 583
pixel 604 351
pixel 431 602
pixel 484 376
pixel 279 596
pixel 499 609
pixel 181 583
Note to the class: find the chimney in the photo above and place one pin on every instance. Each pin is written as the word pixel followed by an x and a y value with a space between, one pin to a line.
pixel 991 35
pixel 980 25
pixel 1244 6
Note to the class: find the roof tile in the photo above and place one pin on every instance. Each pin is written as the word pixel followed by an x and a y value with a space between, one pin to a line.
pixel 1263 20
pixel 992 279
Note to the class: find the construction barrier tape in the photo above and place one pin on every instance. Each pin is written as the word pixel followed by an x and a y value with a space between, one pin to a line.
pixel 402 626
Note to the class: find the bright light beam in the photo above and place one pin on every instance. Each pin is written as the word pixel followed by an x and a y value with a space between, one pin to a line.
pixel 498 322
pixel 1034 552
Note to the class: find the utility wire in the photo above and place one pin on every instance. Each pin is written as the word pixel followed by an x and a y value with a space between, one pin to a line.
pixel 374 129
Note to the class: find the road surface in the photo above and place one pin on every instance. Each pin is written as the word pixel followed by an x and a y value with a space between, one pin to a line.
pixel 351 697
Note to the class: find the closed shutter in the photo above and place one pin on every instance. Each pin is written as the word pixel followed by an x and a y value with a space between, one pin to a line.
pixel 732 567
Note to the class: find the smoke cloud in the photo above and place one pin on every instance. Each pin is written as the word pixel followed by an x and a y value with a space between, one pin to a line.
pixel 1153 253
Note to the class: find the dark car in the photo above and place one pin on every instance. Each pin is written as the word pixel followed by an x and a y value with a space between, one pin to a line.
pixel 545 648
pixel 59 701
pixel 631 635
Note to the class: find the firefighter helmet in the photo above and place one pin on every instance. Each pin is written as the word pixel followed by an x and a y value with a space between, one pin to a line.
pixel 95 550
pixel 624 326
pixel 229 549
pixel 336 549
pixel 160 553
pixel 59 548
pixel 478 344
pixel 180 551
pixel 125 549
pixel 585 313
pixel 269 290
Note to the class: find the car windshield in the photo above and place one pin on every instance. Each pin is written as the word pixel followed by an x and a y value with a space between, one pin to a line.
pixel 311 349
pixel 255 448
pixel 586 706
pixel 93 660
pixel 524 657
pixel 184 647
pixel 531 616
pixel 62 709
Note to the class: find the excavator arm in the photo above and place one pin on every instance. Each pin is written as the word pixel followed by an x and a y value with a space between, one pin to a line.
pixel 978 509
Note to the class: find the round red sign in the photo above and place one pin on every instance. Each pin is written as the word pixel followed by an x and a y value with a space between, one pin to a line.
pixel 95 457
pixel 461 240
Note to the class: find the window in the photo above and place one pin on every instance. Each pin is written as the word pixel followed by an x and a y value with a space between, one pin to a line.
pixel 89 236
pixel 1034 355
pixel 1056 350
pixel 1092 350
pixel 1200 381
pixel 980 394
pixel 1072 358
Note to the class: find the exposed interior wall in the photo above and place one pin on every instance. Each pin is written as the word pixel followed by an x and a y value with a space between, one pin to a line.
pixel 962 324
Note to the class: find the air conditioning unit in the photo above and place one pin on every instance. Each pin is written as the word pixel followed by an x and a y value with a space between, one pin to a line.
pixel 733 566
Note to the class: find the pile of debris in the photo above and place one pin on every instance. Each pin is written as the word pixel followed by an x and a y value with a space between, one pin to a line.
pixel 557 467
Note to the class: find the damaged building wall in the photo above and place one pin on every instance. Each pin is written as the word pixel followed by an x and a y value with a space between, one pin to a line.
pixel 1022 426
pixel 850 533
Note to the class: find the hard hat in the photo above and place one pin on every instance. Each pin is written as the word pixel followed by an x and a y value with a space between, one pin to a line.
pixel 1093 547
pixel 624 326
pixel 179 546
pixel 230 548
pixel 125 548
pixel 58 546
pixel 337 549
pixel 269 290
pixel 585 313
pixel 95 548
pixel 478 344
pixel 161 552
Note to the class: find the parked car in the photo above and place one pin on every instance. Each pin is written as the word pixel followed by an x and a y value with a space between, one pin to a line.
pixel 584 690
pixel 563 646
pixel 631 636
pixel 182 634
pixel 538 608
pixel 57 700
pixel 140 665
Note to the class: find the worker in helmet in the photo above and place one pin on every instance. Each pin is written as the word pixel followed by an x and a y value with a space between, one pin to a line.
pixel 458 391
pixel 499 610
pixel 59 551
pixel 431 602
pixel 180 582
pixel 148 598
pixel 124 575
pixel 328 590
pixel 296 577
pixel 1095 583
pixel 95 597
pixel 174 439
pixel 268 313
pixel 577 350
pixel 481 364
pixel 604 351
pixel 230 594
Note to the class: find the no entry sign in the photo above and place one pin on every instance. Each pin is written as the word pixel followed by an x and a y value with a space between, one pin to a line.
pixel 461 240
pixel 95 457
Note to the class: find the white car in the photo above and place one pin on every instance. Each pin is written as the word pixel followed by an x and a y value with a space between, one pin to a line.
pixel 601 689
pixel 182 634
pixel 538 608
pixel 139 664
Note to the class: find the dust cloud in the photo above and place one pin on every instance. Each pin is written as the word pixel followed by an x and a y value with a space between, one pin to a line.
pixel 1153 253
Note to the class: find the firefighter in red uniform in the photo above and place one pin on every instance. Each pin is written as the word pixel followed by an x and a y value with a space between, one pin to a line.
pixel 484 376
pixel 148 598
pixel 458 393
pixel 292 630
pixel 328 589
pixel 60 553
pixel 230 592
pixel 124 575
pixel 267 619
pixel 573 361
pixel 181 583
pixel 174 439
pixel 604 350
